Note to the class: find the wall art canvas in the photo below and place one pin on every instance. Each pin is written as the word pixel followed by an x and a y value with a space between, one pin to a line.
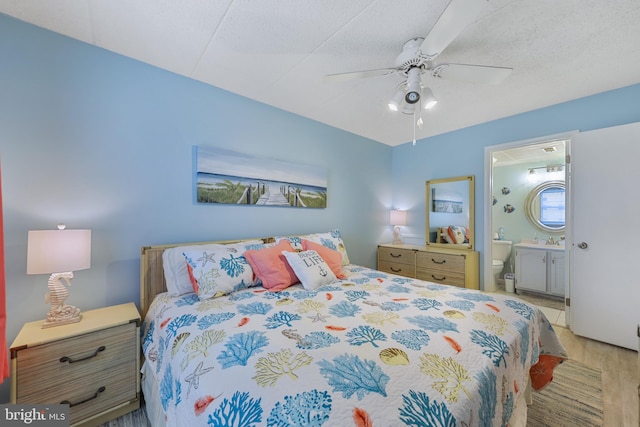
pixel 227 177
pixel 447 197
pixel 447 206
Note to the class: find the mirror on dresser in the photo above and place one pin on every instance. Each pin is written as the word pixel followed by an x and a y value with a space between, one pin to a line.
pixel 450 213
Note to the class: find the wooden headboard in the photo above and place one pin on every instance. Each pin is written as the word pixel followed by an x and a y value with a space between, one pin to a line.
pixel 152 280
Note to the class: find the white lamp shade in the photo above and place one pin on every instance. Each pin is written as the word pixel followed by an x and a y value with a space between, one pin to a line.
pixel 58 251
pixel 398 217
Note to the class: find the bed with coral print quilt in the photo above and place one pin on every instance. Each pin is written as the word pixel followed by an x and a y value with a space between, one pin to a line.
pixel 373 349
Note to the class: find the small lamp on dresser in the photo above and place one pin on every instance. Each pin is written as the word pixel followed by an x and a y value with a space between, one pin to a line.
pixel 59 253
pixel 397 218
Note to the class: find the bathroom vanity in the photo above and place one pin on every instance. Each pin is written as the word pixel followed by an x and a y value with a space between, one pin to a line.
pixel 540 268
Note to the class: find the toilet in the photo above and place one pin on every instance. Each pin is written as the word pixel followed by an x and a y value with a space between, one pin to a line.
pixel 500 251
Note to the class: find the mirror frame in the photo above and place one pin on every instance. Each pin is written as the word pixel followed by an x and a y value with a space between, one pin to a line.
pixel 530 202
pixel 471 202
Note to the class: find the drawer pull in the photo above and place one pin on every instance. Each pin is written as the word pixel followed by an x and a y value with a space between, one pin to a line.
pixel 95 395
pixel 95 353
pixel 438 262
pixel 394 255
pixel 440 279
pixel 398 270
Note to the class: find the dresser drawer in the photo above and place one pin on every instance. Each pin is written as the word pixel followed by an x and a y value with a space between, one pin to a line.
pixel 397 256
pixel 434 264
pixel 440 262
pixel 406 270
pixel 455 278
pixel 397 261
pixel 442 268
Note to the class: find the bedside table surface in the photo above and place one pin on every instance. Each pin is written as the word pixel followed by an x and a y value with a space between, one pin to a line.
pixel 32 333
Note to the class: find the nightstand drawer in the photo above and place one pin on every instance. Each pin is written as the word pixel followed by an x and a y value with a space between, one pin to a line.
pixel 72 360
pixel 91 394
pixel 396 255
pixel 440 262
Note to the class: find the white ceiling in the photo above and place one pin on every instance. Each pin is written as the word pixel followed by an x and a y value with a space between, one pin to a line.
pixel 278 51
pixel 549 152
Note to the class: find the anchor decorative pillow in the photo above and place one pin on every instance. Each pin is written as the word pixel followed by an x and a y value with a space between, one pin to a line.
pixel 310 268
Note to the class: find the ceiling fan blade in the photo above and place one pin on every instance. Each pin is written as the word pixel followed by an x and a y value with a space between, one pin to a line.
pixel 343 77
pixel 471 73
pixel 455 18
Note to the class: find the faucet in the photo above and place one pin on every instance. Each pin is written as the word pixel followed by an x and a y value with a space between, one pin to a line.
pixel 550 241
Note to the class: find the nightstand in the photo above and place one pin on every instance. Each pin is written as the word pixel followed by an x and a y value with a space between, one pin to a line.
pixel 92 365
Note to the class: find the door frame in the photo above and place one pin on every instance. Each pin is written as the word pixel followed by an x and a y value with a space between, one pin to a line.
pixel 488 191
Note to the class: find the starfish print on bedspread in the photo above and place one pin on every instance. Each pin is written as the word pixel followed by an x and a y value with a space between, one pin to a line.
pixel 194 378
pixel 318 318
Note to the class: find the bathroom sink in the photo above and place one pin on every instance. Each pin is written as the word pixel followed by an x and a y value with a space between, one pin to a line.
pixel 540 245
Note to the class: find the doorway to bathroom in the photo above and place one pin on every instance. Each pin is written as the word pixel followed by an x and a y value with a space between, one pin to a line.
pixel 525 183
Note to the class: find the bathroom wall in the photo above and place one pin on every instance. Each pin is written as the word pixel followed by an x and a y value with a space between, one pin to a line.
pixel 509 209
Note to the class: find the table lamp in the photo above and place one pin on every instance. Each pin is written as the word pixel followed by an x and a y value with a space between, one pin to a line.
pixel 59 253
pixel 397 218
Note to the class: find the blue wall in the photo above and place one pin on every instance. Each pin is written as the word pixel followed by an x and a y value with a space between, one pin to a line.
pixel 462 152
pixel 99 141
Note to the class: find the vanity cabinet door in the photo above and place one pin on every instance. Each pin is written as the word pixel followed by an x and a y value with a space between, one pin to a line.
pixel 556 273
pixel 531 270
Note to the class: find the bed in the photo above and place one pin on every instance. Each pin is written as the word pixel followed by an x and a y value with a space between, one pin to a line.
pixel 366 349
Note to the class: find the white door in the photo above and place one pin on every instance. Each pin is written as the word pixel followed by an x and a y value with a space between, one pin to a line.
pixel 605 261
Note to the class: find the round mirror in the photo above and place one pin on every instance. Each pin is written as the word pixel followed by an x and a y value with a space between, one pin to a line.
pixel 545 206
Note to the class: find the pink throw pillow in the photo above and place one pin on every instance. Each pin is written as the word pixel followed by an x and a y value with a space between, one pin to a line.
pixel 331 257
pixel 271 267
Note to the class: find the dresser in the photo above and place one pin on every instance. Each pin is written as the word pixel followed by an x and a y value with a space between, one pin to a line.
pixel 93 365
pixel 439 265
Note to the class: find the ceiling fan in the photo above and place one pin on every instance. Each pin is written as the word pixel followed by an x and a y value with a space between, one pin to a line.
pixel 418 55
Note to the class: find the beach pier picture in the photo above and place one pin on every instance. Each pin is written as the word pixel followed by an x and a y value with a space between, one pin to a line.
pixel 227 177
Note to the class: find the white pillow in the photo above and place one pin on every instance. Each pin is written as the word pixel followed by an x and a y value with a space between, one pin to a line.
pixel 175 267
pixel 331 239
pixel 310 268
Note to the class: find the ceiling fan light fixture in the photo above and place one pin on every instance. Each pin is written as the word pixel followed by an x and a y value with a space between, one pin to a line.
pixel 413 94
pixel 428 98
pixel 408 108
pixel 397 100
pixel 414 86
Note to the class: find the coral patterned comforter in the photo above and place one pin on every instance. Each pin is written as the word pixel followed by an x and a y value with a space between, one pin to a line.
pixel 373 349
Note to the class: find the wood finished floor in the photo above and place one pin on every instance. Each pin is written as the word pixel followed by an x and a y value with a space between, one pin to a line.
pixel 620 376
pixel 620 371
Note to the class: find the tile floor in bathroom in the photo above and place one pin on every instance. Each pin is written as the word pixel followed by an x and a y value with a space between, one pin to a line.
pixel 555 316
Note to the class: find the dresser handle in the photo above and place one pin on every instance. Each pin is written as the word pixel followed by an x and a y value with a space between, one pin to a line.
pixel 440 279
pixel 394 270
pixel 95 353
pixel 394 255
pixel 71 405
pixel 439 262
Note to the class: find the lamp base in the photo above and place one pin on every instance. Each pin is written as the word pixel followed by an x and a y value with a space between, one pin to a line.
pixel 60 313
pixel 68 314
pixel 396 235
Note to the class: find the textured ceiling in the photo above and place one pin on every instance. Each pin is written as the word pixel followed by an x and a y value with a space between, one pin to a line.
pixel 278 51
